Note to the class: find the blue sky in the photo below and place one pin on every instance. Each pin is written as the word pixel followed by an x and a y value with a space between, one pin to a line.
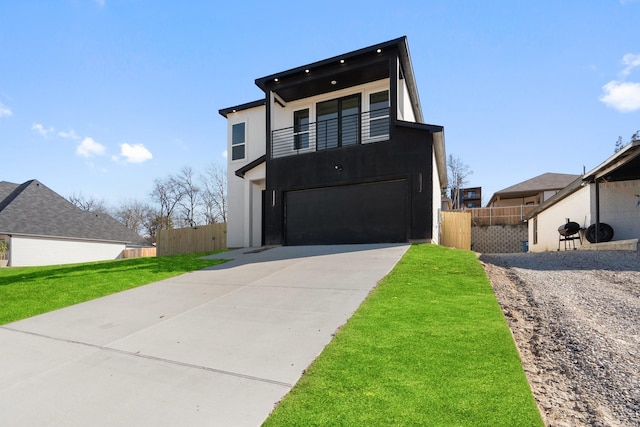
pixel 102 97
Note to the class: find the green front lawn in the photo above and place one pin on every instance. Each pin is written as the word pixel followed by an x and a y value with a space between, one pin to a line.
pixel 429 347
pixel 27 291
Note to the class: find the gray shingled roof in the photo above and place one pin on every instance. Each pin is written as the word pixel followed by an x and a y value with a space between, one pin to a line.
pixel 545 182
pixel 34 209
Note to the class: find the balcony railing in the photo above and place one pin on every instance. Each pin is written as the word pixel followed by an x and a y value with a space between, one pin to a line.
pixel 370 126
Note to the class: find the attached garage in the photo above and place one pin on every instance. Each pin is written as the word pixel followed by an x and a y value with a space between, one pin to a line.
pixel 363 213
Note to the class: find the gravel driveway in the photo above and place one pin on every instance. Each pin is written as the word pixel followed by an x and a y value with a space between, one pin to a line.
pixel 575 317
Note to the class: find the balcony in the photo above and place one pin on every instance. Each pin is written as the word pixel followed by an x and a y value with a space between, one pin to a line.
pixel 348 130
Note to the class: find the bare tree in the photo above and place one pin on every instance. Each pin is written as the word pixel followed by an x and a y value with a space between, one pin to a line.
pixel 214 194
pixel 166 194
pixel 188 203
pixel 88 203
pixel 458 174
pixel 136 216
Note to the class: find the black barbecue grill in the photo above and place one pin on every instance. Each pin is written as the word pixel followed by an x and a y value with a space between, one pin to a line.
pixel 569 232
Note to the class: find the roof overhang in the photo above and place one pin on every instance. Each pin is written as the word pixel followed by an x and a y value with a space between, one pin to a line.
pixel 240 173
pixel 350 69
pixel 226 111
pixel 622 166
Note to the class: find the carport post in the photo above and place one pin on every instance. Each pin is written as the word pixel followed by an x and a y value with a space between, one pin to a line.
pixel 597 211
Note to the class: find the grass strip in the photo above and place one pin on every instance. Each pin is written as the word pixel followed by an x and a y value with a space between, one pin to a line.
pixel 28 291
pixel 429 347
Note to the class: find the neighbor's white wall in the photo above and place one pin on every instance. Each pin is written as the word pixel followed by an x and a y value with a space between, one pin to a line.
pixel 575 207
pixel 619 208
pixel 255 119
pixel 32 251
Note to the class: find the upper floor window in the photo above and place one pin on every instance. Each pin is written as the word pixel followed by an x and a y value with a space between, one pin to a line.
pixel 301 129
pixel 379 114
pixel 238 141
pixel 338 122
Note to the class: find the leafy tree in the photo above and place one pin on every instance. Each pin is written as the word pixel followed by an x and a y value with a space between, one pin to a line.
pixel 619 144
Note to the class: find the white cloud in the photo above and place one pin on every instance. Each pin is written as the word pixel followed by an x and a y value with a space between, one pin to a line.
pixel 69 135
pixel 136 153
pixel 43 131
pixel 89 148
pixel 5 111
pixel 225 154
pixel 101 2
pixel 631 61
pixel 623 96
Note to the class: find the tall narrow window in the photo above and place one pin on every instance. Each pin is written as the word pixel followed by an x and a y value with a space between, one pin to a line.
pixel 301 129
pixel 238 141
pixel 379 114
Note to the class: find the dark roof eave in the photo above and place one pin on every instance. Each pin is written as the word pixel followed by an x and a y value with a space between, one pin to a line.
pixel 246 106
pixel 262 81
pixel 240 173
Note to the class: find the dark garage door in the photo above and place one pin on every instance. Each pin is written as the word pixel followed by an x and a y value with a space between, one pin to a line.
pixel 363 213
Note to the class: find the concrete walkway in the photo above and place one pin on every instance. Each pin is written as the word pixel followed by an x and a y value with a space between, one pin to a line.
pixel 216 347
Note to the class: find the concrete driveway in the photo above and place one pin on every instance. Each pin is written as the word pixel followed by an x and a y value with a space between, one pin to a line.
pixel 216 347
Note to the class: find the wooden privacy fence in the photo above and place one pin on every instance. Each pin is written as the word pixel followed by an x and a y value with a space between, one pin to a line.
pixel 506 215
pixel 138 252
pixel 455 229
pixel 192 239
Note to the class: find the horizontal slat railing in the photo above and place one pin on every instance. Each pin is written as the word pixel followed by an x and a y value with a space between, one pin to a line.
pixel 371 126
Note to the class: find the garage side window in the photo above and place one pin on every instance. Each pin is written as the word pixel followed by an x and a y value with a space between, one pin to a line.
pixel 238 141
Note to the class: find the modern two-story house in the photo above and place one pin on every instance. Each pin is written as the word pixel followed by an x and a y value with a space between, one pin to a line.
pixel 336 152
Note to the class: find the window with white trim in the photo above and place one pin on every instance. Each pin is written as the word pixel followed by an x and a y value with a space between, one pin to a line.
pixel 238 141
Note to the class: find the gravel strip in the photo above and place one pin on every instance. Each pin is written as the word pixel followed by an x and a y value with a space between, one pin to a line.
pixel 575 317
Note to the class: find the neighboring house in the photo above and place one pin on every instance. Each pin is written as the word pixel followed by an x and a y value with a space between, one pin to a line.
pixel 468 197
pixel 336 152
pixel 43 228
pixel 608 194
pixel 533 191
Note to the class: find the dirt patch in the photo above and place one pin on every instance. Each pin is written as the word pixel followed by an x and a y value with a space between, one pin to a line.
pixel 575 317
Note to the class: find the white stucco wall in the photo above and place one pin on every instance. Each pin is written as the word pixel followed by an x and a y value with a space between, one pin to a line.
pixel 34 251
pixel 576 207
pixel 619 208
pixel 405 107
pixel 238 203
